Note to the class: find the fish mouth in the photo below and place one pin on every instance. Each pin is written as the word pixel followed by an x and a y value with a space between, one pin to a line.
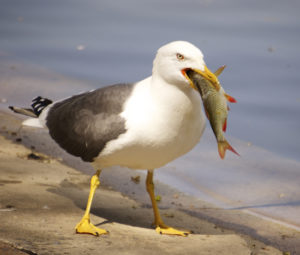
pixel 206 74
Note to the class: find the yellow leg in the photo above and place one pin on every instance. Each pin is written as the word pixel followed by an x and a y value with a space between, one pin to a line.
pixel 85 226
pixel 161 227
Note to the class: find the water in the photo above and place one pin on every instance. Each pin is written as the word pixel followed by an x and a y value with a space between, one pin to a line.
pixel 105 42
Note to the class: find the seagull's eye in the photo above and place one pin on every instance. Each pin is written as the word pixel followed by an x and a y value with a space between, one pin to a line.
pixel 179 56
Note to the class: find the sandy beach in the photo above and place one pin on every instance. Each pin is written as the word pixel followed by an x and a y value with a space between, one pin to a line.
pixel 42 199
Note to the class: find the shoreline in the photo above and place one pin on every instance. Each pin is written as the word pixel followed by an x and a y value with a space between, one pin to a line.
pixel 249 233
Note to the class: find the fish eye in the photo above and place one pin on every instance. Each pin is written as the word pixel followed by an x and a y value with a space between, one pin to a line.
pixel 179 56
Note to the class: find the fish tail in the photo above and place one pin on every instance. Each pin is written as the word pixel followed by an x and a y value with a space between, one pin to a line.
pixel 223 146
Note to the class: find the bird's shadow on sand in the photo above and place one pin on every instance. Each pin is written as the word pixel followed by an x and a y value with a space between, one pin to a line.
pixel 113 207
pixel 108 204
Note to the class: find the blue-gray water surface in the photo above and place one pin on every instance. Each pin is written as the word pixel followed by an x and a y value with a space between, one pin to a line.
pixel 106 42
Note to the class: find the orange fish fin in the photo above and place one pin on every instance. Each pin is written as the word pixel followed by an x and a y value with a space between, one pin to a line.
pixel 225 125
pixel 220 70
pixel 223 146
pixel 230 98
pixel 206 113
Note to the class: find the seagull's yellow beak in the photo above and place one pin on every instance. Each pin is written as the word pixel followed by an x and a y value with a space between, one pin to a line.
pixel 210 76
pixel 207 75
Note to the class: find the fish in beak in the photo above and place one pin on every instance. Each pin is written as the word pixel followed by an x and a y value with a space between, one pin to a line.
pixel 207 75
pixel 215 104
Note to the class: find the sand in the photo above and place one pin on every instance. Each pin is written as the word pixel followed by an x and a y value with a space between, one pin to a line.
pixel 42 199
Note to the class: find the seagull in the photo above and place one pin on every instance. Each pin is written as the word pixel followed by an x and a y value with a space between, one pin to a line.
pixel 143 125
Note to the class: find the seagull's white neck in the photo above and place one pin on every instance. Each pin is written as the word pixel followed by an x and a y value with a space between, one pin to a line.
pixel 173 94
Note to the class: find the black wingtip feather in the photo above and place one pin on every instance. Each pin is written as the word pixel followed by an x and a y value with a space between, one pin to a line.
pixel 39 104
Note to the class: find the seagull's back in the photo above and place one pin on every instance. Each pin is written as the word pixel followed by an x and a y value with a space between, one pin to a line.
pixel 83 124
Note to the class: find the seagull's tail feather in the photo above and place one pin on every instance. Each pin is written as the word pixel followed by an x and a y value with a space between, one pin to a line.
pixel 23 111
pixel 38 105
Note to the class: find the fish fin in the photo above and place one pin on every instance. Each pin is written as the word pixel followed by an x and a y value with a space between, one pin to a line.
pixel 230 98
pixel 223 146
pixel 206 113
pixel 228 109
pixel 225 125
pixel 220 70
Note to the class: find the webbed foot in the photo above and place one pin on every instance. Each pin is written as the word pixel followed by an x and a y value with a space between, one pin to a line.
pixel 165 230
pixel 86 227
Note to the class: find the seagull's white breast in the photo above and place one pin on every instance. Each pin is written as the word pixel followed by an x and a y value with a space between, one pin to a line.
pixel 162 122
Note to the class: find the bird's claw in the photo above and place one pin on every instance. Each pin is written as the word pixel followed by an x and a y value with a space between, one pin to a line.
pixel 171 231
pixel 85 227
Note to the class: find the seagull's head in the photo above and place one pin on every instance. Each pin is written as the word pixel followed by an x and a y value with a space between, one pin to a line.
pixel 175 59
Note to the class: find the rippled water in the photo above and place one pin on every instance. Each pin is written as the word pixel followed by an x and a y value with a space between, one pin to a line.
pixel 257 40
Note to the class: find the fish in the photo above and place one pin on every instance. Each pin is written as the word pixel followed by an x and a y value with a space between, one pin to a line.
pixel 215 104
